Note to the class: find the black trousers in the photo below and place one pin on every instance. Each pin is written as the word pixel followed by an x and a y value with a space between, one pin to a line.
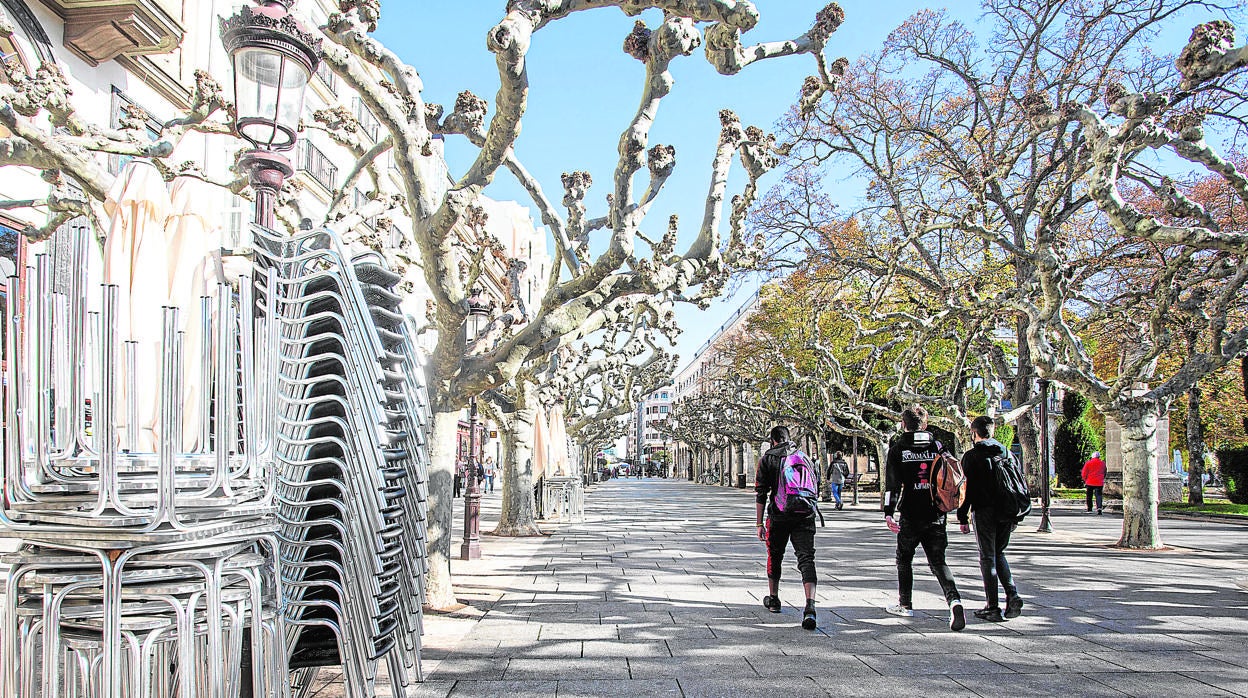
pixel 932 536
pixel 1097 490
pixel 802 534
pixel 993 536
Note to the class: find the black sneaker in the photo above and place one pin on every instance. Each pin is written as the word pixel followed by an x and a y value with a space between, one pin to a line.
pixel 808 617
pixel 772 603
pixel 957 616
pixel 1013 607
pixel 992 615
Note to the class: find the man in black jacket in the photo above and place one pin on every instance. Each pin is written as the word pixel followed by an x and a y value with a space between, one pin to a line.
pixel 992 525
pixel 908 492
pixel 779 527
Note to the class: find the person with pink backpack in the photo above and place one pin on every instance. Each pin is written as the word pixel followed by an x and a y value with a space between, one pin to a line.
pixel 786 489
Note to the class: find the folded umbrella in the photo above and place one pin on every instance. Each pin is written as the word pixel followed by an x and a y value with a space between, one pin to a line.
pixel 136 260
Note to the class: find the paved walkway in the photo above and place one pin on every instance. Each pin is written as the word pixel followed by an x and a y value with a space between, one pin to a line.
pixel 658 593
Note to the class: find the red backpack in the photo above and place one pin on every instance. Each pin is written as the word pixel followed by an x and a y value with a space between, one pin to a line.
pixel 948 483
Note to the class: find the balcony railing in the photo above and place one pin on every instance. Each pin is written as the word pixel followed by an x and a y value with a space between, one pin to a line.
pixel 315 163
pixel 368 123
pixel 328 77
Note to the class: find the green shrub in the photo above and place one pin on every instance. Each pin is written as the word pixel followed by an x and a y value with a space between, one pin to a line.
pixel 1233 465
pixel 1005 435
pixel 1075 440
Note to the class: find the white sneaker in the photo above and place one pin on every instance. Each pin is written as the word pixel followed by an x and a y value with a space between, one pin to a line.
pixel 957 616
pixel 899 610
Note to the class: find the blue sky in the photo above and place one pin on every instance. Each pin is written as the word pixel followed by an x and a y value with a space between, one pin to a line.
pixel 584 90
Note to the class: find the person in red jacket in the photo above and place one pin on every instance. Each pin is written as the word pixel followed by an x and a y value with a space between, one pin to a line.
pixel 1094 480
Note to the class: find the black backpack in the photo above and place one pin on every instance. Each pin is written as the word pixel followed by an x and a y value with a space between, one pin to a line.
pixel 1013 501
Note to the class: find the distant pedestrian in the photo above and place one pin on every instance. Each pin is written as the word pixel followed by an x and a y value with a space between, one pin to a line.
pixel 478 472
pixel 995 519
pixel 1094 481
pixel 908 492
pixel 459 479
pixel 838 470
pixel 786 520
pixel 489 473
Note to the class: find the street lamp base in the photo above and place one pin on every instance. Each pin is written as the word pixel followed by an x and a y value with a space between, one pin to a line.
pixel 471 549
pixel 1045 525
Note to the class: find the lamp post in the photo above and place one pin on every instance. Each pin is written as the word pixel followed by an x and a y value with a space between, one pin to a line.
pixel 273 57
pixel 478 317
pixel 1045 525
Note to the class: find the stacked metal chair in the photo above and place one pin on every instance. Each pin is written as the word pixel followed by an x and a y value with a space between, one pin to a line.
pixel 564 499
pixel 141 573
pixel 352 425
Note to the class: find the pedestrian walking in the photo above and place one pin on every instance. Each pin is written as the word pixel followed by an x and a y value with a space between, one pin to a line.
pixel 459 479
pixel 785 491
pixel 838 470
pixel 1094 481
pixel 908 492
pixel 479 473
pixel 489 473
pixel 995 518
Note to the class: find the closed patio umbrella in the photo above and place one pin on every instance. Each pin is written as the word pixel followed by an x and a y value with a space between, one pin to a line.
pixel 558 442
pixel 136 260
pixel 194 243
pixel 541 445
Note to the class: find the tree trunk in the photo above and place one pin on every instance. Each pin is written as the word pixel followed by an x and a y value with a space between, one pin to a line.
pixel 439 593
pixel 881 457
pixel 1195 436
pixel 1139 476
pixel 745 466
pixel 1027 427
pixel 516 518
pixel 1195 448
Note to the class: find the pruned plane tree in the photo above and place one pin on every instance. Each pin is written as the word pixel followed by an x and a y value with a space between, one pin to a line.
pixel 604 251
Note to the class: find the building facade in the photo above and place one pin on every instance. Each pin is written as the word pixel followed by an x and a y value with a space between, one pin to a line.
pixel 137 59
pixel 647 446
pixel 697 376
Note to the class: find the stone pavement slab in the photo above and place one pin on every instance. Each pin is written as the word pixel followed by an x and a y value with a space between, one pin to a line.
pixel 658 593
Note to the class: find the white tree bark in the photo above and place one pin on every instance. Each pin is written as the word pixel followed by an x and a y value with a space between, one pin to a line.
pixel 1139 476
pixel 516 518
pixel 439 592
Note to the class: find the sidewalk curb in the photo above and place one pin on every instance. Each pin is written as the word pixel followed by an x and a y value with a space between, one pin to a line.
pixel 1221 518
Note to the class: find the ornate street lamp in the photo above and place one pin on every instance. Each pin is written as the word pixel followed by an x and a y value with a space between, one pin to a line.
pixel 274 57
pixel 474 326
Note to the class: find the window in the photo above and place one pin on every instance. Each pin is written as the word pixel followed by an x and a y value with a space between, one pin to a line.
pixel 360 200
pixel 368 123
pixel 124 108
pixel 316 164
pixel 328 77
pixel 237 213
pixel 663 409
